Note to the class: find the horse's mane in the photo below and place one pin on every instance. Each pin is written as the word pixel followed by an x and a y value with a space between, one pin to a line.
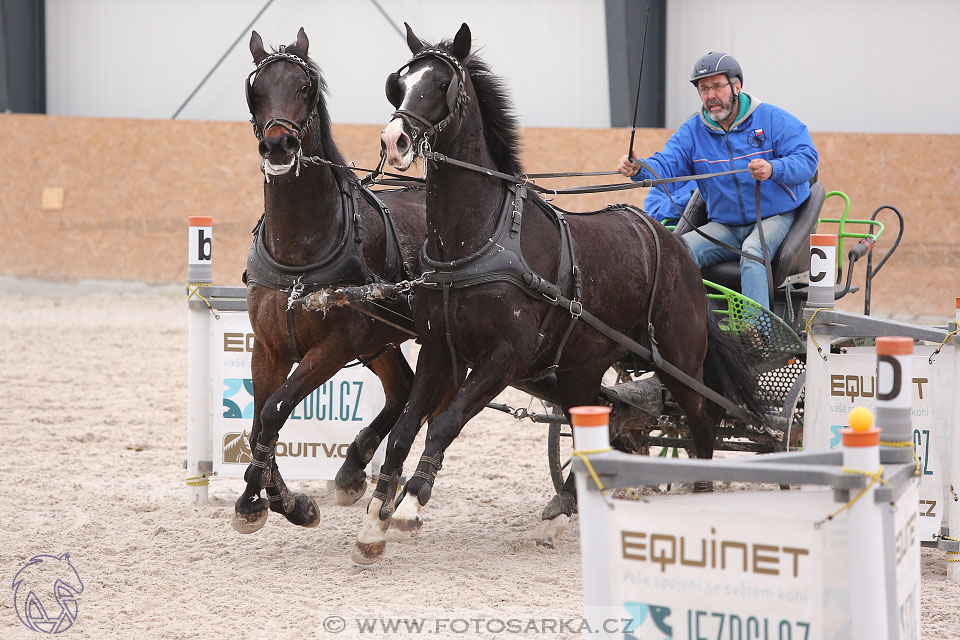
pixel 321 123
pixel 500 128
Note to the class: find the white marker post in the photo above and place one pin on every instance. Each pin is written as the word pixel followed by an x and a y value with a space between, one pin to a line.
pixel 861 452
pixel 199 273
pixel 591 435
pixel 894 404
pixel 953 513
pixel 823 270
pixel 820 295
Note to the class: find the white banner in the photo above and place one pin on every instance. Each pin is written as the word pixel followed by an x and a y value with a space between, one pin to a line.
pixel 747 565
pixel 848 380
pixel 738 565
pixel 314 440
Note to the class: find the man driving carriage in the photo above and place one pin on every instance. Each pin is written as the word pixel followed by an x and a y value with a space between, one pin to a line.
pixel 735 130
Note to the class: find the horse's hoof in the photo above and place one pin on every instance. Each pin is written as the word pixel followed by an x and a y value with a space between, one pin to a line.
pixel 305 512
pixel 402 530
pixel 548 531
pixel 368 553
pixel 350 487
pixel 406 521
pixel 252 518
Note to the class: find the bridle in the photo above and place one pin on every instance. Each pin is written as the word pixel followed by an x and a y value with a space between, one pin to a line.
pixel 314 96
pixel 456 99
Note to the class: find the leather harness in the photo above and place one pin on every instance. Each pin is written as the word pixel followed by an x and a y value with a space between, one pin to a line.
pixel 344 265
pixel 500 259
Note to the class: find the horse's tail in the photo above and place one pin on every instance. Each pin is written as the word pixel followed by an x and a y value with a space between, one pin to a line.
pixel 729 369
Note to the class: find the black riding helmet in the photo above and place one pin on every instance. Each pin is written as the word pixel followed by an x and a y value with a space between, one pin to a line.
pixel 714 64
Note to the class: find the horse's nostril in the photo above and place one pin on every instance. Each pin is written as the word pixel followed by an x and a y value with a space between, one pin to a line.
pixel 291 144
pixel 403 143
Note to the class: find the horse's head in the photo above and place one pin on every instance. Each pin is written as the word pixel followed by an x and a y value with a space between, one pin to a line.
pixel 282 93
pixel 429 94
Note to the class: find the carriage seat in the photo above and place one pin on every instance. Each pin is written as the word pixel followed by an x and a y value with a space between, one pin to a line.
pixel 791 259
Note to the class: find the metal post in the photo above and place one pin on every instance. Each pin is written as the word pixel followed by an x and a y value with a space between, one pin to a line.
pixel 591 434
pixel 199 273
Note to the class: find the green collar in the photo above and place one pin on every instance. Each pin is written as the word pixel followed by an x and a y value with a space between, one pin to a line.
pixel 743 101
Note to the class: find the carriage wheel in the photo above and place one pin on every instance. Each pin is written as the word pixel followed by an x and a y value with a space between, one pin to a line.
pixel 559 447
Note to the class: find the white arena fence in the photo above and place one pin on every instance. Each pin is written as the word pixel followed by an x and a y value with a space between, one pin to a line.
pixel 314 440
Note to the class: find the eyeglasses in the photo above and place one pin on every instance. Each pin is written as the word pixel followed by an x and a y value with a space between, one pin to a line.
pixel 704 90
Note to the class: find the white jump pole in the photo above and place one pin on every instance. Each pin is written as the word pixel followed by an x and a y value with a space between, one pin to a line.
pixel 590 435
pixel 199 273
pixel 953 514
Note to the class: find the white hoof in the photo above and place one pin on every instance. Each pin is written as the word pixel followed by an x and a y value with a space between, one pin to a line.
pixel 372 541
pixel 549 531
pixel 406 522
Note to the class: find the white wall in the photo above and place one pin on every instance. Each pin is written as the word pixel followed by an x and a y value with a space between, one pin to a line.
pixel 142 58
pixel 840 66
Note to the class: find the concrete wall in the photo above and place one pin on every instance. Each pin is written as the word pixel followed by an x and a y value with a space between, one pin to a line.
pixel 858 66
pixel 128 187
pixel 142 59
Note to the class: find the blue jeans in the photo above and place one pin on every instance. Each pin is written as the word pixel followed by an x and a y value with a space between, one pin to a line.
pixel 753 276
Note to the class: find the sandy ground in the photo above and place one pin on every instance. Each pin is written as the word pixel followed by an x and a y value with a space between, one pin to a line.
pixel 93 379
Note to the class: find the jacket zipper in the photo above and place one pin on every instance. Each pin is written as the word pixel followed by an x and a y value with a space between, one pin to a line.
pixel 743 214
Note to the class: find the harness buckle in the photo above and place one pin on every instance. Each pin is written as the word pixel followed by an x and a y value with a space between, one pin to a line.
pixel 576 309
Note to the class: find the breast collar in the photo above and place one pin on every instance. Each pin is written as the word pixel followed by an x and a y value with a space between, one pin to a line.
pixel 344 265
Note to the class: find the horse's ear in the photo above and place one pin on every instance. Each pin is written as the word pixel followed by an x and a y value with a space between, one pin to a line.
pixel 302 45
pixel 461 42
pixel 416 44
pixel 256 48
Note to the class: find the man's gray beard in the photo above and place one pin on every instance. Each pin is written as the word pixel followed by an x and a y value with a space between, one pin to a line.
pixel 724 112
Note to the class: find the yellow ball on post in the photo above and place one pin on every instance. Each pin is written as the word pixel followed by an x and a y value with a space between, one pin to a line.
pixel 860 419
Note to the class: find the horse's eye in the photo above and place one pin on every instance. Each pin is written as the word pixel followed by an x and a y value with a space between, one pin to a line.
pixel 444 86
pixel 304 89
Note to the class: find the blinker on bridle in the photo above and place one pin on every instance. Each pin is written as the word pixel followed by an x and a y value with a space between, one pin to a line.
pixel 456 99
pixel 292 127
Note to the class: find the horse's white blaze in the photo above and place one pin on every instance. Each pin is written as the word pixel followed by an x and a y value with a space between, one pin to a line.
pixel 410 79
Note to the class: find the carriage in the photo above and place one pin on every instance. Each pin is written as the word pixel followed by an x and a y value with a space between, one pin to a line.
pixel 352 302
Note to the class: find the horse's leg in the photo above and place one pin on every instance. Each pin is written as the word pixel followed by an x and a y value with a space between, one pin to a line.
pixel 578 388
pixel 432 382
pixel 396 377
pixel 268 373
pixel 481 386
pixel 315 368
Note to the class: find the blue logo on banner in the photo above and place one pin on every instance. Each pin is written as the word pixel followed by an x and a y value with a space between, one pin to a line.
pixel 241 392
pixel 45 593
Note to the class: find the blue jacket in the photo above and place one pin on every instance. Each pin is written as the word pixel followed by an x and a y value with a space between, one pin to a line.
pixel 700 146
pixel 659 206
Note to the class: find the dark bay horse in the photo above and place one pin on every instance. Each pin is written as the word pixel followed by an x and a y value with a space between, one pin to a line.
pixel 318 229
pixel 496 259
